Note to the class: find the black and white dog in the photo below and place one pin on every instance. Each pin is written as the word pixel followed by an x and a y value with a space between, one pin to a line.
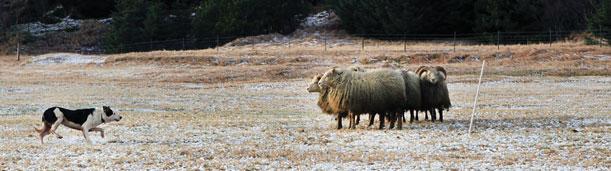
pixel 85 120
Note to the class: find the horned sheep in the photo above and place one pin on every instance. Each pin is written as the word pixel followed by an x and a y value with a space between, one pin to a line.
pixel 434 90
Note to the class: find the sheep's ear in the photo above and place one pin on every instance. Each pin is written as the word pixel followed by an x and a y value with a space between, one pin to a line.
pixel 442 70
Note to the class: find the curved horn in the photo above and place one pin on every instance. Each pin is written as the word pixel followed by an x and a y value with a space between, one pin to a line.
pixel 442 70
pixel 420 70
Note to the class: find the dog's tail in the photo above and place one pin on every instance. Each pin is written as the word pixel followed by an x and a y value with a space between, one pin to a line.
pixel 40 130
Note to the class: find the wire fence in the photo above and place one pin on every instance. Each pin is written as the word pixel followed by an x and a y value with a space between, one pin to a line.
pixel 362 41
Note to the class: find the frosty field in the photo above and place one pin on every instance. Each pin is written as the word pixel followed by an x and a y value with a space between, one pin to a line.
pixel 524 121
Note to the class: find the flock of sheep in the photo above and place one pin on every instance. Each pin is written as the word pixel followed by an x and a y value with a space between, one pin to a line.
pixel 387 92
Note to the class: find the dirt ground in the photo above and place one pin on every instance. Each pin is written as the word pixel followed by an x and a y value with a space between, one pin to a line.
pixel 257 115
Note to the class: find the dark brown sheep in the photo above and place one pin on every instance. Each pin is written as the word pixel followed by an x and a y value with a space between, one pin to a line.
pixel 434 90
pixel 412 93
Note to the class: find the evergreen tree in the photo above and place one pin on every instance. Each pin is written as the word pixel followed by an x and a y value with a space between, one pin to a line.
pixel 153 23
pixel 601 20
pixel 248 17
pixel 179 22
pixel 404 16
pixel 127 25
pixel 510 15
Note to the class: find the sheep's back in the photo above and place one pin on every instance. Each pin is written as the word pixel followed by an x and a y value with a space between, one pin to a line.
pixel 374 91
pixel 412 90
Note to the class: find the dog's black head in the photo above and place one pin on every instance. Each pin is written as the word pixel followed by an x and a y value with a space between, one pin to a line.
pixel 111 114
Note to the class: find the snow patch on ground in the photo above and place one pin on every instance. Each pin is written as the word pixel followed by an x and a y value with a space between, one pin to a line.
pixel 67 58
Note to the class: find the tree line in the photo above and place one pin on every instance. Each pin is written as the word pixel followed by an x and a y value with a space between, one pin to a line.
pixel 154 20
pixel 158 20
pixel 468 16
pixel 209 18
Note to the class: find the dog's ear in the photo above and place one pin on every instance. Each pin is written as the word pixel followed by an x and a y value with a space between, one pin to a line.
pixel 107 110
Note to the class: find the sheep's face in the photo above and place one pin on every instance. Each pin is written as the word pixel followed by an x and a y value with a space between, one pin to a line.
pixel 329 78
pixel 433 76
pixel 313 87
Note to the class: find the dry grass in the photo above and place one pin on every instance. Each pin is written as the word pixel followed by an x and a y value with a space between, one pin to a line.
pixel 277 125
pixel 273 62
pixel 561 59
pixel 203 109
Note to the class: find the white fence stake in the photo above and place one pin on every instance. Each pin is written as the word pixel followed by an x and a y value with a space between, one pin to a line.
pixel 476 95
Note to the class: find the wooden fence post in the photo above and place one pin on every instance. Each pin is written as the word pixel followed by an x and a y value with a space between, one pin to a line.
pixel 217 43
pixel 454 41
pixel 363 44
pixel 550 37
pixel 498 40
pixel 476 96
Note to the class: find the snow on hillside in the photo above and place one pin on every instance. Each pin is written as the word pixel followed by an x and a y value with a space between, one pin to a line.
pixel 67 58
pixel 321 19
pixel 40 29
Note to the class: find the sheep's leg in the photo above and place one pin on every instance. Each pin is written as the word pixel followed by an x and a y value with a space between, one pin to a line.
pixel 381 118
pixel 391 118
pixel 371 118
pixel 339 121
pixel 416 113
pixel 355 121
pixel 411 116
pixel 440 114
pixel 358 119
pixel 433 115
pixel 426 116
pixel 350 120
pixel 400 117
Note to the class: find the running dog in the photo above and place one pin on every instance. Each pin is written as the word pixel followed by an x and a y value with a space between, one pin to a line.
pixel 85 120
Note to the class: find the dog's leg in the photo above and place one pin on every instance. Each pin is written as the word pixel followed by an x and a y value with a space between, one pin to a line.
pixel 55 125
pixel 86 135
pixel 98 130
pixel 43 132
